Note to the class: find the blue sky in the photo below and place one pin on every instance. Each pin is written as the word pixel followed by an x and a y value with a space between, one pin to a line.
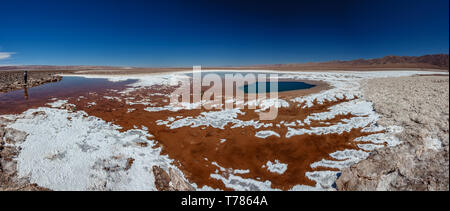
pixel 217 32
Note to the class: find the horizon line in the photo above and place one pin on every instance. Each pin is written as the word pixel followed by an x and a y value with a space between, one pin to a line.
pixel 212 66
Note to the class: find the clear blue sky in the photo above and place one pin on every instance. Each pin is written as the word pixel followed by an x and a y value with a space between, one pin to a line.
pixel 217 32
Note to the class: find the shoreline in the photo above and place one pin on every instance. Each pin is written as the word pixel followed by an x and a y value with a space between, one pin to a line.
pixel 11 81
pixel 421 162
pixel 317 171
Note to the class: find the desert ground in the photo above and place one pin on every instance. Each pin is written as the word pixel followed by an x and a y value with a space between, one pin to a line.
pixel 418 104
pixel 355 130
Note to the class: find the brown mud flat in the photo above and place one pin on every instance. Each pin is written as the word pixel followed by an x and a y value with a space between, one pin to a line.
pixel 194 149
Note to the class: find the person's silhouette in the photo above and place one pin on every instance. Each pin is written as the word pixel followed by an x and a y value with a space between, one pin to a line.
pixel 25 77
pixel 25 86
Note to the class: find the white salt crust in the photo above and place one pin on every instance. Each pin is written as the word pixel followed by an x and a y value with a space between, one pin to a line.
pixel 276 167
pixel 266 133
pixel 64 154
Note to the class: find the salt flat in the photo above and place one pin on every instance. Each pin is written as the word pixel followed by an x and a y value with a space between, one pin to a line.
pixel 99 146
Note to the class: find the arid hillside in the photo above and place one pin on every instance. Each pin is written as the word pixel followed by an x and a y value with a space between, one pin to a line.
pixel 435 61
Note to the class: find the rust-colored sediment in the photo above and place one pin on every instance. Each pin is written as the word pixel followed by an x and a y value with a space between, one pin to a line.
pixel 194 149
pixel 16 102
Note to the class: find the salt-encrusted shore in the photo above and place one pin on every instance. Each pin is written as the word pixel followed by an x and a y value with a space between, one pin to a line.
pixel 10 81
pixel 63 150
pixel 420 105
pixel 67 150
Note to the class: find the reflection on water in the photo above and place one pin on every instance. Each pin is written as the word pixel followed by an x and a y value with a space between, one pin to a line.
pixel 21 100
pixel 283 86
pixel 269 86
pixel 25 92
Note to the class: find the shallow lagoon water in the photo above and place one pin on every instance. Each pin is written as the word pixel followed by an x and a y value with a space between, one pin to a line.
pixel 280 86
pixel 21 100
pixel 267 87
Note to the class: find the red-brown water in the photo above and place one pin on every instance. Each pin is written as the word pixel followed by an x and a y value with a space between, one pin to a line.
pixel 190 146
pixel 21 100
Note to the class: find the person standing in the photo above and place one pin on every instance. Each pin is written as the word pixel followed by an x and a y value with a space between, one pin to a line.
pixel 25 77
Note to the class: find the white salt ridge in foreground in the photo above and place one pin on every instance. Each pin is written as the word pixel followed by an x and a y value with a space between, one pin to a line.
pixel 63 154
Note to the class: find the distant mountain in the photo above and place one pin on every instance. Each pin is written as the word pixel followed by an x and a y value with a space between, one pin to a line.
pixel 441 61
pixel 435 61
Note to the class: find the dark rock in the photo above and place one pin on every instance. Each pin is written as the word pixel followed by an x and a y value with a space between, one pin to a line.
pixel 162 179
